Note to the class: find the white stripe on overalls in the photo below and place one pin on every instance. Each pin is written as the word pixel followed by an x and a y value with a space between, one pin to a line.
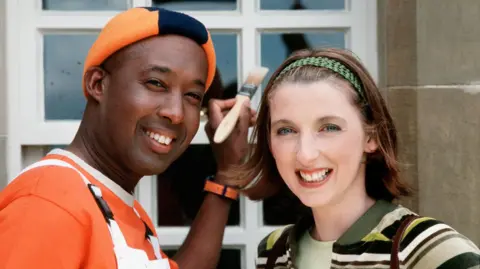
pixel 127 258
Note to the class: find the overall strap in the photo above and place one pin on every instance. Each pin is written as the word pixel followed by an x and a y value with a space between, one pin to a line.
pixel 150 236
pixel 115 232
pixel 394 260
pixel 278 248
pixel 53 162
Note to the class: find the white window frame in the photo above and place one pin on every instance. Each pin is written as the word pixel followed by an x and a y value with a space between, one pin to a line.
pixel 25 108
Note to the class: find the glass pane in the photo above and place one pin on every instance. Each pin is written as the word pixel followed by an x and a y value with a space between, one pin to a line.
pixel 302 4
pixel 225 81
pixel 276 47
pixel 196 4
pixel 229 258
pixel 282 209
pixel 180 188
pixel 63 65
pixel 79 5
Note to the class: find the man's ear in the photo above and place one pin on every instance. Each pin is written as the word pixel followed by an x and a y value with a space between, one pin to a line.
pixel 95 82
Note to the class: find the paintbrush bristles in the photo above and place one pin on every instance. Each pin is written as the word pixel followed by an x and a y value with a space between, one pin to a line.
pixel 245 92
pixel 256 76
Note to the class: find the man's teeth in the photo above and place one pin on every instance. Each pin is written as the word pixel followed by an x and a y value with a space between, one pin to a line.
pixel 159 138
pixel 317 176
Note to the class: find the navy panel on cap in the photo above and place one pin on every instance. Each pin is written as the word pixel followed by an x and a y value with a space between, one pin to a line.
pixel 171 22
pixel 151 8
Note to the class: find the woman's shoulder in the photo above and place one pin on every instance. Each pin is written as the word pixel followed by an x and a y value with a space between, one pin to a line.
pixel 426 242
pixel 267 242
pixel 277 238
pixel 431 243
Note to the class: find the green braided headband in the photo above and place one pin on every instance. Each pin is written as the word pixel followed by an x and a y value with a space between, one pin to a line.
pixel 330 64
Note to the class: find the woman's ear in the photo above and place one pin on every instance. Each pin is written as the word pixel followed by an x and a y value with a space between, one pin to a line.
pixel 371 144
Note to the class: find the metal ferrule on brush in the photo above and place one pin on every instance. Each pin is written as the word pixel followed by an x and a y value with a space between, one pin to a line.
pixel 248 90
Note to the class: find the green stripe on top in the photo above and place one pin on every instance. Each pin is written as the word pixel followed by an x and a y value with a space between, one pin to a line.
pixel 273 237
pixel 468 260
pixel 366 223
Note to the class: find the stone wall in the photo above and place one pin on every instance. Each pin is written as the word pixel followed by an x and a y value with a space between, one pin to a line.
pixel 430 63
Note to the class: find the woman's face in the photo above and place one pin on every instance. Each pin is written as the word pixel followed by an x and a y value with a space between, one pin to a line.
pixel 317 140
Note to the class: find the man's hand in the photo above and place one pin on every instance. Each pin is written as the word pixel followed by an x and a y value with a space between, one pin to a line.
pixel 209 224
pixel 233 150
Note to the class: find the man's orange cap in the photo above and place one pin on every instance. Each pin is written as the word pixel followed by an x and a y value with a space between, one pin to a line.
pixel 139 23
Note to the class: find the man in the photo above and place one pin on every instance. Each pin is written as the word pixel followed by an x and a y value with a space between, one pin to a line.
pixel 144 80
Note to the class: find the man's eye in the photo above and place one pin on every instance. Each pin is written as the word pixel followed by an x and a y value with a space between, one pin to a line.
pixel 195 96
pixel 156 83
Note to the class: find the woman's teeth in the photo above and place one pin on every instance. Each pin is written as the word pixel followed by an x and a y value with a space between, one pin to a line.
pixel 165 140
pixel 316 176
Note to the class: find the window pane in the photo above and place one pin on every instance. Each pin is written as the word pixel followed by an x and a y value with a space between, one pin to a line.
pixel 64 55
pixel 180 188
pixel 78 5
pixel 196 4
pixel 276 47
pixel 225 82
pixel 229 258
pixel 302 4
pixel 282 209
pixel 63 66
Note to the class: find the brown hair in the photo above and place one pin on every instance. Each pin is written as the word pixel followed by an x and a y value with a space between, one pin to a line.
pixel 382 171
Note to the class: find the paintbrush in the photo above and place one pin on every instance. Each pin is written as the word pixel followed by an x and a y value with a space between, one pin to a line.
pixel 246 92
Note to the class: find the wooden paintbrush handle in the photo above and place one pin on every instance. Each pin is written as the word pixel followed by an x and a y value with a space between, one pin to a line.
pixel 230 120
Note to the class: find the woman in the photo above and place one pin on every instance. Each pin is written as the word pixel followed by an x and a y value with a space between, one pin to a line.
pixel 324 131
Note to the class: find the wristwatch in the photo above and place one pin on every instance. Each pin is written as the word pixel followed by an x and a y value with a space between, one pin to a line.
pixel 219 189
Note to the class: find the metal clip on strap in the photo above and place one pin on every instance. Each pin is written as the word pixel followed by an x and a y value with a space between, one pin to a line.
pixel 97 194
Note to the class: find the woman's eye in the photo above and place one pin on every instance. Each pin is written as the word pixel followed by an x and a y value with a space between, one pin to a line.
pixel 284 131
pixel 331 128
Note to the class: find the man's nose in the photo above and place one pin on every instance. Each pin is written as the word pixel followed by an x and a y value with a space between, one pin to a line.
pixel 172 108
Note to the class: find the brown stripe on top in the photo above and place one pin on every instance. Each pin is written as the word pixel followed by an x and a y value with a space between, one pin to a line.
pixel 361 263
pixel 434 244
pixel 387 262
pixel 425 241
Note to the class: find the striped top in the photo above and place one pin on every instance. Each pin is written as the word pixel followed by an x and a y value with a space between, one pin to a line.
pixel 427 243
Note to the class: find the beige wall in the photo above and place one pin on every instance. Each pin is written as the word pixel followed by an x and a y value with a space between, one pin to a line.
pixel 3 103
pixel 430 57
